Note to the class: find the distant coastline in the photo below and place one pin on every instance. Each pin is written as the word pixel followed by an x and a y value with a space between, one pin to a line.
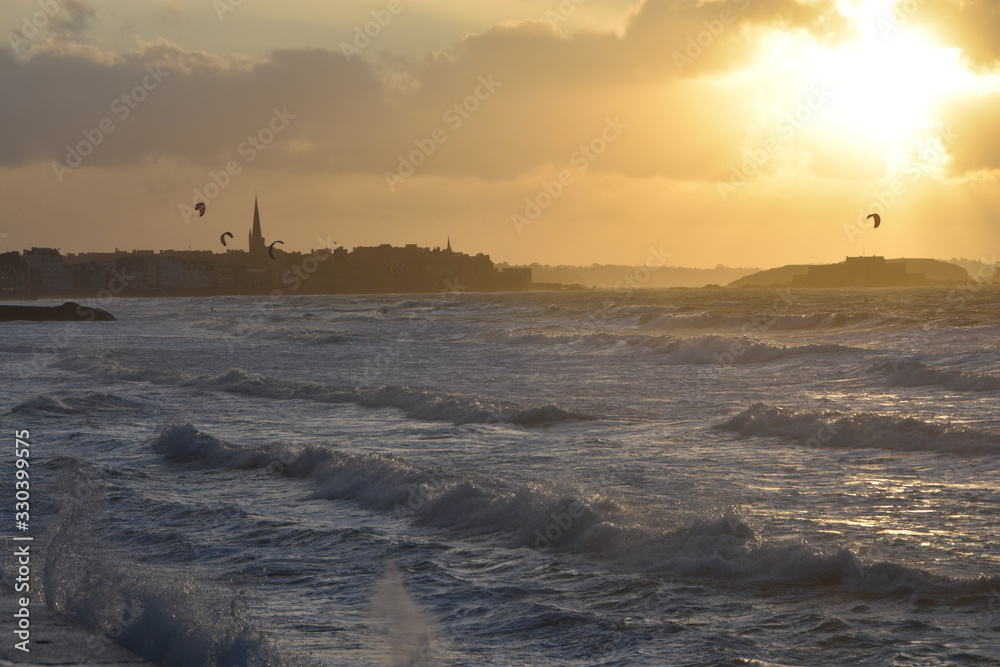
pixel 260 270
pixel 871 271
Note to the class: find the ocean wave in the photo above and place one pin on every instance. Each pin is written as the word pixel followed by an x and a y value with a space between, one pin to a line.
pixel 720 547
pixel 861 431
pixel 74 403
pixel 157 614
pixel 415 403
pixel 910 373
pixel 422 304
pixel 766 322
pixel 724 350
pixel 681 320
pixel 307 336
pixel 525 336
pixel 707 349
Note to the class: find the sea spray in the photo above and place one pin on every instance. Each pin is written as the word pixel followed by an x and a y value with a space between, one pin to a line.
pixel 407 634
pixel 167 618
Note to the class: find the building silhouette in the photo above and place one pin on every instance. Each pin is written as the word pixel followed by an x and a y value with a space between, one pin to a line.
pixel 859 272
pixel 258 249
pixel 44 272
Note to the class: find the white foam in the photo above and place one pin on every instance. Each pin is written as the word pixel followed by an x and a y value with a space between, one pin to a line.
pixel 170 620
pixel 405 634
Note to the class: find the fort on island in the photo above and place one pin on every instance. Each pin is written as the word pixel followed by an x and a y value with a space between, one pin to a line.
pixel 45 272
pixel 871 271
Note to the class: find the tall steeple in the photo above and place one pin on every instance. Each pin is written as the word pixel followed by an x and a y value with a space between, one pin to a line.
pixel 257 246
pixel 448 249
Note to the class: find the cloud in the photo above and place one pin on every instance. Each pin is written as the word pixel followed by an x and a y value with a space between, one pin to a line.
pixel 664 79
pixel 971 25
pixel 75 18
pixel 973 121
pixel 544 101
pixel 171 9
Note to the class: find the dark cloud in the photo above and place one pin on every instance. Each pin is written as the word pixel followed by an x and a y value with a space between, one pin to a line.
pixel 971 25
pixel 528 97
pixel 973 133
pixel 74 19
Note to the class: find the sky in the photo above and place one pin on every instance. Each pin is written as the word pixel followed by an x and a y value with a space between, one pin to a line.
pixel 736 132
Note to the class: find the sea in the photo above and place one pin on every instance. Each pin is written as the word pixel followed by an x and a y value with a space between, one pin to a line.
pixel 765 477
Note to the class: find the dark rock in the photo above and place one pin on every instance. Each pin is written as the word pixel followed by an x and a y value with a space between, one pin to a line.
pixel 68 312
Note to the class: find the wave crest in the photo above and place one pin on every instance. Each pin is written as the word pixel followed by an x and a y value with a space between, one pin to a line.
pixel 860 431
pixel 721 546
pixel 910 373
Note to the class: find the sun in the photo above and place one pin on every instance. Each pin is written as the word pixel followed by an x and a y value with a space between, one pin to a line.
pixel 889 79
pixel 885 92
pixel 882 87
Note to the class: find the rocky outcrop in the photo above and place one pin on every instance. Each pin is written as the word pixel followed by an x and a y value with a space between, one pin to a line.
pixel 68 312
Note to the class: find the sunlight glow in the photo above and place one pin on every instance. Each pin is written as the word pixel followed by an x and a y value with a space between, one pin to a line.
pixel 883 89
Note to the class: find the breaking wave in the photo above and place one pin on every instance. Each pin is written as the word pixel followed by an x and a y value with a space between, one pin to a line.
pixel 721 546
pixel 766 322
pixel 909 373
pixel 74 403
pixel 707 349
pixel 861 431
pixel 169 619
pixel 419 404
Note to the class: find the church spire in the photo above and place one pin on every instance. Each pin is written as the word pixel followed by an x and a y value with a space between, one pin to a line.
pixel 256 236
pixel 448 249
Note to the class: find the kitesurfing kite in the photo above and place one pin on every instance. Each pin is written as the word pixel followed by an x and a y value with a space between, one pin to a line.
pixel 224 235
pixel 877 217
pixel 270 248
pixel 200 207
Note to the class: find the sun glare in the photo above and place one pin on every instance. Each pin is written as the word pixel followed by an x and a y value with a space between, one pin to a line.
pixel 882 88
pixel 887 90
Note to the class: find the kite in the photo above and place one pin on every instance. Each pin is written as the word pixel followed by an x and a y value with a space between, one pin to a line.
pixel 877 217
pixel 200 207
pixel 224 235
pixel 270 248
